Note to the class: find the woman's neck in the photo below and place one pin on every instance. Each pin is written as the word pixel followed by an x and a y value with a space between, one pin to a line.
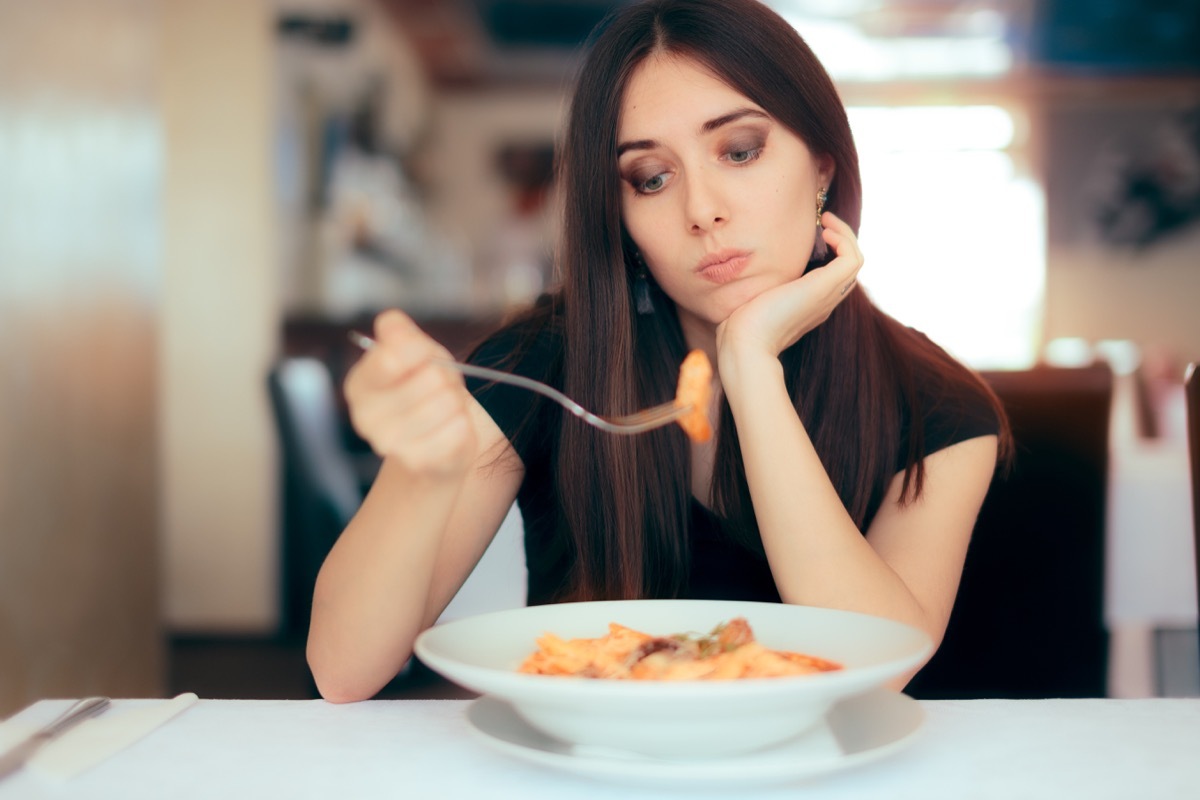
pixel 699 334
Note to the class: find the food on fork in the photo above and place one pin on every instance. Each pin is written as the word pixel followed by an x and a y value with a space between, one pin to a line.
pixel 695 389
pixel 728 652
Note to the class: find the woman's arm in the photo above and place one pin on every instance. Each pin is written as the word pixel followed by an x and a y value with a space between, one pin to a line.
pixel 449 477
pixel 907 567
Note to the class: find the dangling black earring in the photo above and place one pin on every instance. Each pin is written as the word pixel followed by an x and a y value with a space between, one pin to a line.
pixel 820 249
pixel 641 288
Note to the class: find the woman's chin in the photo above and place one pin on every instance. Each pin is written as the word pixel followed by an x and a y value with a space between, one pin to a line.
pixel 713 309
pixel 728 302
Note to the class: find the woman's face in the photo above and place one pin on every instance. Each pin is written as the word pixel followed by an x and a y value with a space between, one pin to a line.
pixel 719 198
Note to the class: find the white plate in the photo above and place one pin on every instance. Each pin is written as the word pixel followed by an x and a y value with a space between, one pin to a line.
pixel 856 731
pixel 688 719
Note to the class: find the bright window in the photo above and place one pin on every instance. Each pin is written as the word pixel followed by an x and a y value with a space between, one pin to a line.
pixel 953 229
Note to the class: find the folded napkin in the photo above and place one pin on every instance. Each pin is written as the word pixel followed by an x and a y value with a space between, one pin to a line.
pixel 94 739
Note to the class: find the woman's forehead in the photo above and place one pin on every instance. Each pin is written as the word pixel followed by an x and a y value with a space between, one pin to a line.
pixel 667 88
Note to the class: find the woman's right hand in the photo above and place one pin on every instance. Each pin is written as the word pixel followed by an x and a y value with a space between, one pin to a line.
pixel 408 408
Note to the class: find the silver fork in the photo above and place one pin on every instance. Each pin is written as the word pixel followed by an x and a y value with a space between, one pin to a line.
pixel 645 420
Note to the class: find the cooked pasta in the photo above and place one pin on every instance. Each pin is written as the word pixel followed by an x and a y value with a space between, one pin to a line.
pixel 695 389
pixel 728 652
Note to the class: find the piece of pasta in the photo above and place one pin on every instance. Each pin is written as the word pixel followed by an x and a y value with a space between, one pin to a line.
pixel 695 390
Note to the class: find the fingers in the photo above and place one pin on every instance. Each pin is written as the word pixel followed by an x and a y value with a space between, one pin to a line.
pixel 431 437
pixel 843 269
pixel 401 348
pixel 813 297
pixel 777 318
pixel 405 405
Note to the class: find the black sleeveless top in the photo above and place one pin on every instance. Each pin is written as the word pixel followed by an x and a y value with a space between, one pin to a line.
pixel 719 568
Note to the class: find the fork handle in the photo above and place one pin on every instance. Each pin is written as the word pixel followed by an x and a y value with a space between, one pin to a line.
pixel 518 380
pixel 366 343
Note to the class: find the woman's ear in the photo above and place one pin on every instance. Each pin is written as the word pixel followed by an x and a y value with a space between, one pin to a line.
pixel 825 170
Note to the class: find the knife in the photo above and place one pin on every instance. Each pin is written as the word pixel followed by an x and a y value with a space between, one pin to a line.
pixel 16 757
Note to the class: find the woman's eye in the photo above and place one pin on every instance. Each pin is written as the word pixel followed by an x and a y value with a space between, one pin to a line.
pixel 650 185
pixel 744 156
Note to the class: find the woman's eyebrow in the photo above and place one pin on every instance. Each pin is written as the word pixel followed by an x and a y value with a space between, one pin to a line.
pixel 707 127
pixel 732 116
pixel 639 144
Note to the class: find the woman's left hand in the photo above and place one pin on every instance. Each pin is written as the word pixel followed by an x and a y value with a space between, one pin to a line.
pixel 777 318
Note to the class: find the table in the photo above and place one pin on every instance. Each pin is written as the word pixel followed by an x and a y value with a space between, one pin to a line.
pixel 1103 748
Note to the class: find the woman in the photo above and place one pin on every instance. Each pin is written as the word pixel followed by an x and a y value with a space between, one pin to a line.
pixel 712 199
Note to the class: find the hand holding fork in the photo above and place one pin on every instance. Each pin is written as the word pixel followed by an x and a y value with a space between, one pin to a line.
pixel 405 402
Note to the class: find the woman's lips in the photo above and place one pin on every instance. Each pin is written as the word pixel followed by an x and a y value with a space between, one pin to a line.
pixel 724 266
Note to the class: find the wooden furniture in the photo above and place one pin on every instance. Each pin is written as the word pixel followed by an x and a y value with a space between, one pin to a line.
pixel 1029 618
pixel 86 320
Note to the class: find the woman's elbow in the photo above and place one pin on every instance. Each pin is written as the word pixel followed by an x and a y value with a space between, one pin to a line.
pixel 340 688
pixel 340 694
pixel 336 684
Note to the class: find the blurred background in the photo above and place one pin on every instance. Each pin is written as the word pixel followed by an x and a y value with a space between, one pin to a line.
pixel 199 197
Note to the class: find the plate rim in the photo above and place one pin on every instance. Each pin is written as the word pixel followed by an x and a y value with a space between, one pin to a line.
pixel 749 768
pixel 480 678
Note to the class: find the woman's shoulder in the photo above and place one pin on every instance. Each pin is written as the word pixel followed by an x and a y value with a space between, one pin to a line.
pixel 954 402
pixel 529 344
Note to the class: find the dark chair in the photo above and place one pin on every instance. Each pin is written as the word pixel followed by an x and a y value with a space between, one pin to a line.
pixel 321 487
pixel 1029 618
pixel 1191 386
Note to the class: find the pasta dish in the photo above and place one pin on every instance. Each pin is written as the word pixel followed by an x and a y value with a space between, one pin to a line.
pixel 729 651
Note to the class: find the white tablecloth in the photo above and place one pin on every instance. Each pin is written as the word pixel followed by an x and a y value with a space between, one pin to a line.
pixel 423 749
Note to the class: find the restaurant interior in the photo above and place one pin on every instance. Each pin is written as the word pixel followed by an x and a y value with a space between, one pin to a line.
pixel 200 198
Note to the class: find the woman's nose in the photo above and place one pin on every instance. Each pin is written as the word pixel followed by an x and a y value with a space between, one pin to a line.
pixel 705 206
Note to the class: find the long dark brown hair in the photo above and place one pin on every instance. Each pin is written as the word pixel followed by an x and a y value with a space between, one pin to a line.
pixel 624 501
